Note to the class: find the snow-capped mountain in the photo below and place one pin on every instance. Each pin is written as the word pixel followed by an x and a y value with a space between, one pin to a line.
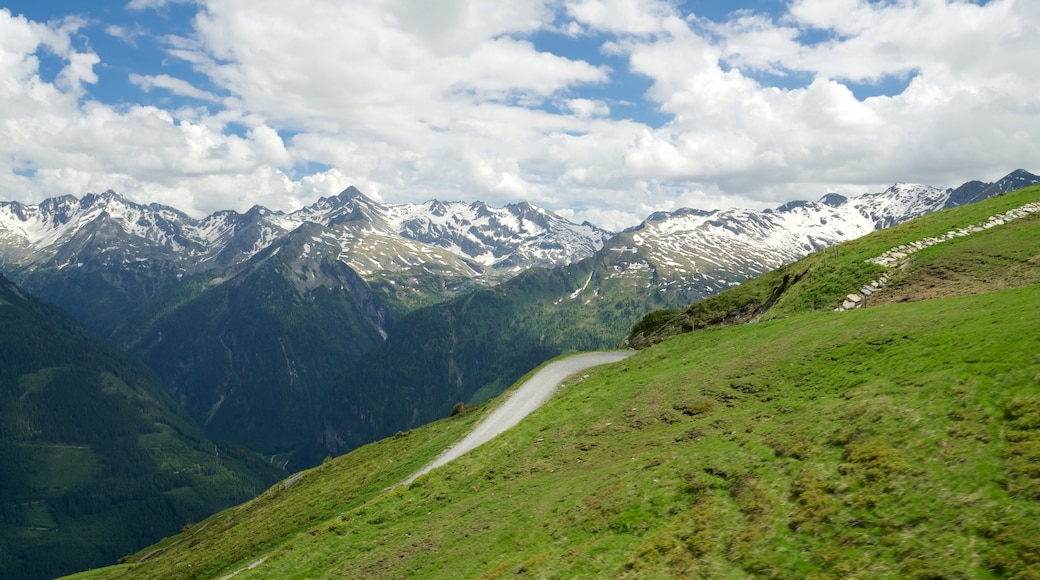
pixel 247 317
pixel 509 239
pixel 416 253
pixel 65 231
pixel 977 190
pixel 100 255
pixel 497 241
pixel 697 253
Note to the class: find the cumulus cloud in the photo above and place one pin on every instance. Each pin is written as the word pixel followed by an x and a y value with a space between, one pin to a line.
pixel 587 107
pixel 738 132
pixel 637 17
pixel 412 100
pixel 69 146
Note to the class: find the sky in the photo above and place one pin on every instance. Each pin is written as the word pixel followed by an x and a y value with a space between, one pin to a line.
pixel 599 110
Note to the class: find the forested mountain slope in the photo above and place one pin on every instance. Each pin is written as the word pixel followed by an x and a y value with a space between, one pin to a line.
pixel 471 348
pixel 250 355
pixel 96 460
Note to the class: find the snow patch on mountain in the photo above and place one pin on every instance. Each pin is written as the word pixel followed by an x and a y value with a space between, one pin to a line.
pixel 690 251
pixel 697 253
pixel 469 238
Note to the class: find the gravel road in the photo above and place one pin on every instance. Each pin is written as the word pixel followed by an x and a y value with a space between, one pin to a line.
pixel 528 397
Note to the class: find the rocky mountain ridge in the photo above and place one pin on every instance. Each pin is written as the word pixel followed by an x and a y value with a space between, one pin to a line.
pixel 698 253
pixel 463 242
pixel 102 254
pixel 518 236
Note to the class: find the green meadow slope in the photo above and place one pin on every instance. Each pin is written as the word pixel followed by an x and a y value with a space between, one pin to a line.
pixel 900 440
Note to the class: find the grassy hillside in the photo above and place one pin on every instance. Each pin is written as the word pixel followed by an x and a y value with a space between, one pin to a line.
pixel 896 441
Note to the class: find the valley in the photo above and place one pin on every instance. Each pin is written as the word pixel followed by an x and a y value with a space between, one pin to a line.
pixel 96 459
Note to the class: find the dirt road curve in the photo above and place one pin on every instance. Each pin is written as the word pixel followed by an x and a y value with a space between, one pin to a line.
pixel 531 395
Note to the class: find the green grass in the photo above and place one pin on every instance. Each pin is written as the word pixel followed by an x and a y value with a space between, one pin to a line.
pixel 898 441
pixel 283 514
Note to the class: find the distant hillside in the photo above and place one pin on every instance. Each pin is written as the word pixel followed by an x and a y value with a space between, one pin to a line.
pixel 695 253
pixel 96 460
pixel 899 440
pixel 472 348
pixel 249 318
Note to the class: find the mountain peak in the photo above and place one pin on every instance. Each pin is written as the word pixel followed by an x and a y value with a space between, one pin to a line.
pixel 1017 179
pixel 259 211
pixel 833 199
pixel 1022 173
pixel 973 191
pixel 105 197
pixel 347 197
pixel 351 193
pixel 792 205
pixel 524 206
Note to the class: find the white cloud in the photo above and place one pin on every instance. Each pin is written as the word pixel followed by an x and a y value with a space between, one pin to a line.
pixel 174 85
pixel 731 130
pixel 755 42
pixel 153 4
pixel 143 151
pixel 128 34
pixel 638 17
pixel 413 100
pixel 503 67
pixel 585 108
pixel 458 27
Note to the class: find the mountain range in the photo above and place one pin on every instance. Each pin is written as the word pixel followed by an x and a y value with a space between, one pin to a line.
pixel 347 320
pixel 136 249
pixel 312 333
pixel 698 253
pixel 106 243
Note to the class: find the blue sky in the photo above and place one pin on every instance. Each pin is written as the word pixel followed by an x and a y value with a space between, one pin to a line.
pixel 605 110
